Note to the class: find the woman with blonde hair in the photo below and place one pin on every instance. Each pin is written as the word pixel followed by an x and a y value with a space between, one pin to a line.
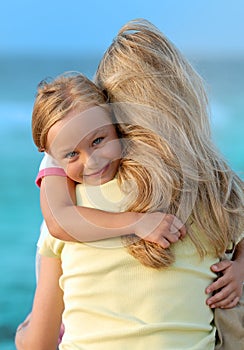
pixel 168 164
pixel 143 70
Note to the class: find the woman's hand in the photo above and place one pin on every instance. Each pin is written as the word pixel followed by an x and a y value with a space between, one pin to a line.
pixel 227 288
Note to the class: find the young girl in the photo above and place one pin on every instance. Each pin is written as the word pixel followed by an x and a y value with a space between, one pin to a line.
pixel 138 323
pixel 156 230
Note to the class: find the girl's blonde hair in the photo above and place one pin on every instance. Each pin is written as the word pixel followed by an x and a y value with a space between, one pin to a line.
pixel 56 98
pixel 161 105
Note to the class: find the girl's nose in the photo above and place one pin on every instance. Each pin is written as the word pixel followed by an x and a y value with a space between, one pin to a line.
pixel 90 159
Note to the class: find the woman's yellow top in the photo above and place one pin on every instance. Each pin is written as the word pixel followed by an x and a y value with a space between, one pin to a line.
pixel 112 302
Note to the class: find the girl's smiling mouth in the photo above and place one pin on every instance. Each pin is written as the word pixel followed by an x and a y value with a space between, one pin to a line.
pixel 97 173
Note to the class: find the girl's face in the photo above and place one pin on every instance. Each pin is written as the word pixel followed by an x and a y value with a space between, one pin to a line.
pixel 86 146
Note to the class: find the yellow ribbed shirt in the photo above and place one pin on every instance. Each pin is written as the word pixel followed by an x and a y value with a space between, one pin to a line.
pixel 112 302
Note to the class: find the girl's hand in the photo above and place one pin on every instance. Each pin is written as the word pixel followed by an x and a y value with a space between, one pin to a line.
pixel 160 228
pixel 228 287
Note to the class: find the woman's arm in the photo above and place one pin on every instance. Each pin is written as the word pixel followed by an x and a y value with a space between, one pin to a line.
pixel 40 330
pixel 69 222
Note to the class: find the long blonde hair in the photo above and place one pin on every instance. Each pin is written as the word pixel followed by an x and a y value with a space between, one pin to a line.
pixel 170 161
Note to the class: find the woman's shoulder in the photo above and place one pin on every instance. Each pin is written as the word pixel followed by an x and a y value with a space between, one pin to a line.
pixel 51 246
pixel 107 196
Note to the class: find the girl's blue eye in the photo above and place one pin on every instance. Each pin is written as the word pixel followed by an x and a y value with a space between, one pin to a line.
pixel 71 155
pixel 97 141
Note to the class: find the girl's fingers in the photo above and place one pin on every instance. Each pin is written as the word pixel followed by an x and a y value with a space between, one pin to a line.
pixel 164 243
pixel 178 228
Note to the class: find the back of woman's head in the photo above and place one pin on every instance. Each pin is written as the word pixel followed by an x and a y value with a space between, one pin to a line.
pixel 161 104
pixel 142 66
pixel 58 97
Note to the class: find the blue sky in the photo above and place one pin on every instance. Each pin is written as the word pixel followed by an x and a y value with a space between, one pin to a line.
pixel 203 26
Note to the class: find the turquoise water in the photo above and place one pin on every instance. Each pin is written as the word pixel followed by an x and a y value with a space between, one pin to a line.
pixel 19 206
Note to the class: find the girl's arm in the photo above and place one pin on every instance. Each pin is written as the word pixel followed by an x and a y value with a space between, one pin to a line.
pixel 69 222
pixel 40 330
pixel 228 287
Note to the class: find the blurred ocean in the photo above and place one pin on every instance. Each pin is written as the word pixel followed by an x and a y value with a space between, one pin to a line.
pixel 19 206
